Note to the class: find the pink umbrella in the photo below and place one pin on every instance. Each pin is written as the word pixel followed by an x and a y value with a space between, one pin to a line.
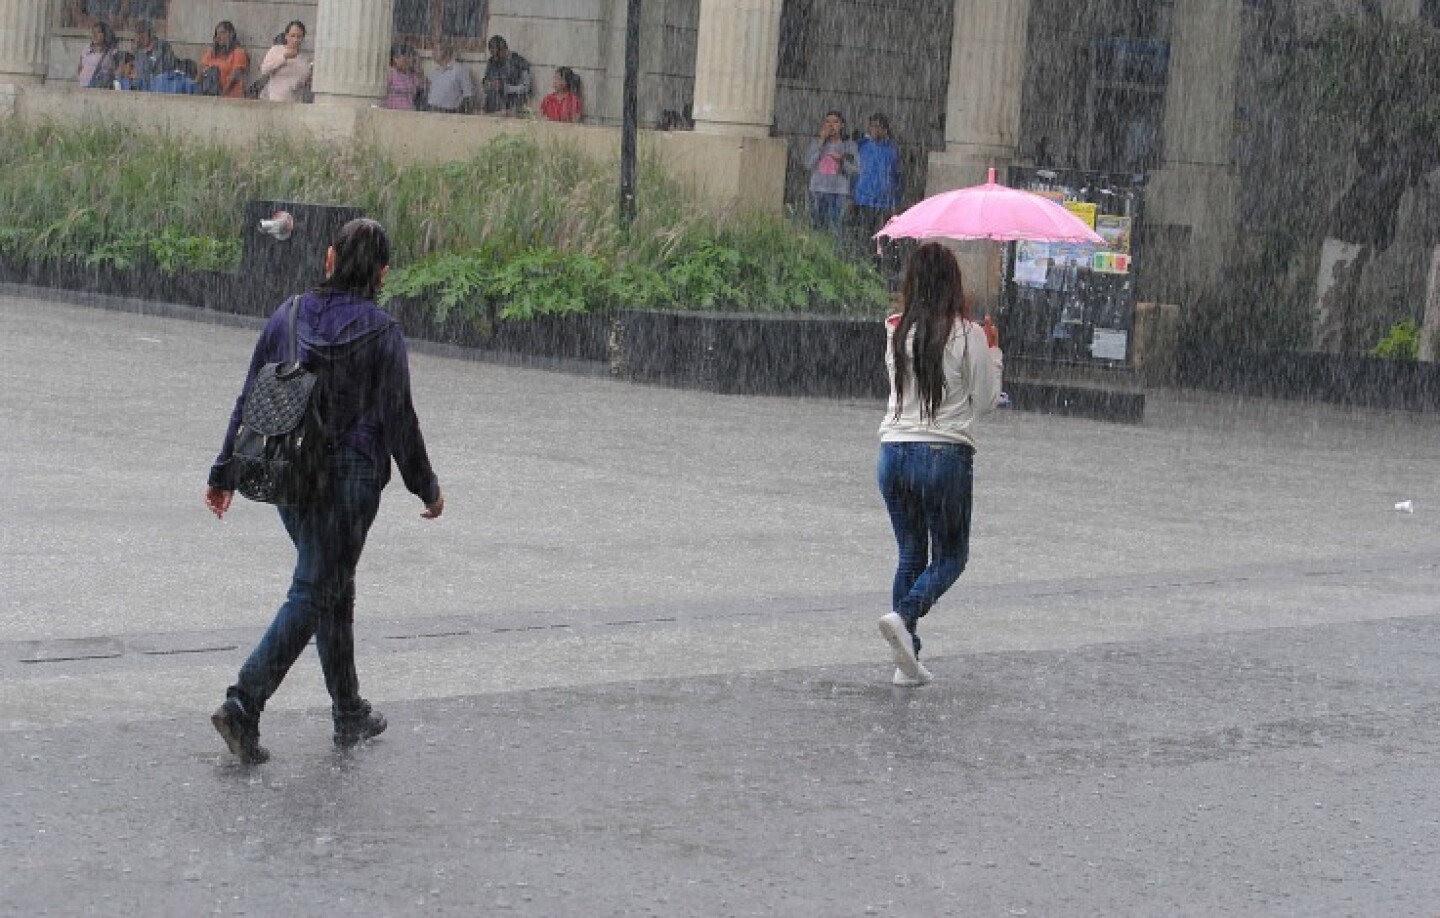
pixel 990 211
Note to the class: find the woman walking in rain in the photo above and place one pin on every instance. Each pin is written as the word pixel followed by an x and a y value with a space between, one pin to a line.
pixel 369 418
pixel 944 372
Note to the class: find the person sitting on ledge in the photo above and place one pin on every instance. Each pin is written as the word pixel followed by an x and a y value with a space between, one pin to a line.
pixel 566 103
pixel 406 84
pixel 229 60
pixel 100 60
pixel 286 68
pixel 125 76
pixel 152 56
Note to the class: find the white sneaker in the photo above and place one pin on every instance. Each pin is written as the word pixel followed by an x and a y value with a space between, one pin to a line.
pixel 902 647
pixel 904 681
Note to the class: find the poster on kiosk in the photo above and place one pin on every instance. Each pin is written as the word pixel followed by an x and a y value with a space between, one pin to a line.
pixel 1075 302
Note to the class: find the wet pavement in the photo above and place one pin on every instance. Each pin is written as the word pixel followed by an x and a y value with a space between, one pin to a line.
pixel 1193 669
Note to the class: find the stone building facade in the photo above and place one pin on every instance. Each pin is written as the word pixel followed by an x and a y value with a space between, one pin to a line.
pixel 1156 87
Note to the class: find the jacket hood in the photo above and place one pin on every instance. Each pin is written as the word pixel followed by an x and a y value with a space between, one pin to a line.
pixel 331 324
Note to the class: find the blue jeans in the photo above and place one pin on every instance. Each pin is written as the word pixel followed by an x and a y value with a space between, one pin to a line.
pixel 328 537
pixel 927 489
pixel 827 211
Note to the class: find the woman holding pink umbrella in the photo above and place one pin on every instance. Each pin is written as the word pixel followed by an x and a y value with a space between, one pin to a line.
pixel 944 373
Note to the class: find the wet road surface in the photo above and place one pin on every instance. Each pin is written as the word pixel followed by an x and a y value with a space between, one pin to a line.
pixel 1194 667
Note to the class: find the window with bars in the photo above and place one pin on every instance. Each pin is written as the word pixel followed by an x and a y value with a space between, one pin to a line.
pixel 421 23
pixel 120 14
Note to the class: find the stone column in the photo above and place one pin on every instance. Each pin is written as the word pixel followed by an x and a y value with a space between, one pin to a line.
pixel 989 50
pixel 1195 186
pixel 352 51
pixel 738 51
pixel 24 39
pixel 988 53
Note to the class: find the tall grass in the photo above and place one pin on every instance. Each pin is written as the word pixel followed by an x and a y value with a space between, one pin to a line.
pixel 113 192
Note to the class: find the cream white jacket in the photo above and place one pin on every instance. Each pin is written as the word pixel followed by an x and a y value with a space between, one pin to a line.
pixel 972 387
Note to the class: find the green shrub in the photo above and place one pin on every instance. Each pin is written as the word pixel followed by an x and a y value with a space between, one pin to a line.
pixel 1402 342
pixel 519 230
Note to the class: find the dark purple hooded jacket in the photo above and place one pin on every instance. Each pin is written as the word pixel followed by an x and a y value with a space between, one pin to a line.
pixel 360 350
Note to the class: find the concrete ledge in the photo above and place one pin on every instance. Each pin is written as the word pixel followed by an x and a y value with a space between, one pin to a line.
pixel 1077 401
pixel 836 357
pixel 1371 382
pixel 726 353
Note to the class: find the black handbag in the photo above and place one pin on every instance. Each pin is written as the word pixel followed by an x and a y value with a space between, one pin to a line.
pixel 280 445
pixel 253 90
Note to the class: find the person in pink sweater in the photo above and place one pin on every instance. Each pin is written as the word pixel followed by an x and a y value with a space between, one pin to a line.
pixel 286 67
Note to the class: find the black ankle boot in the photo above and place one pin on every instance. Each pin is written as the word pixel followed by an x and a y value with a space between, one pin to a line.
pixel 241 731
pixel 357 724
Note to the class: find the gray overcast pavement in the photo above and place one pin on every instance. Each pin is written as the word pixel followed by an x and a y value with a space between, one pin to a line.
pixel 1194 667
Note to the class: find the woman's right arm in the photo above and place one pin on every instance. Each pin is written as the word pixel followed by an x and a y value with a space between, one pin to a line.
pixel 812 155
pixel 274 60
pixel 985 367
pixel 401 423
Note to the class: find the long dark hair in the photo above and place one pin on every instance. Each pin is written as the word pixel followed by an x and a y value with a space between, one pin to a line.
pixel 932 296
pixel 107 35
pixel 234 37
pixel 572 81
pixel 362 250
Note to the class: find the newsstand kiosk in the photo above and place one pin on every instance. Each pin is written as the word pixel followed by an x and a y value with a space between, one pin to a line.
pixel 1075 303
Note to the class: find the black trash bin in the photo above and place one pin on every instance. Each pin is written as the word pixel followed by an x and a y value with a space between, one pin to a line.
pixel 272 269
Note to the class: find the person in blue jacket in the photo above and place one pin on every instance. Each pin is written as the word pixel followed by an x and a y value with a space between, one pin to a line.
pixel 877 188
pixel 181 81
pixel 359 351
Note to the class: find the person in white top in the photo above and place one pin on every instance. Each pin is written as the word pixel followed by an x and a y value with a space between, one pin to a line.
pixel 944 373
pixel 286 68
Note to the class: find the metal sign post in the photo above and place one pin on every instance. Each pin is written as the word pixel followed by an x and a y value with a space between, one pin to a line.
pixel 630 126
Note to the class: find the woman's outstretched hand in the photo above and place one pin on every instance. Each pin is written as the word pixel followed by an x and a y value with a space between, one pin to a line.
pixel 218 500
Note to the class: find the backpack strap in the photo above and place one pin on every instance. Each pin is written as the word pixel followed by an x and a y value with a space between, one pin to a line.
pixel 294 305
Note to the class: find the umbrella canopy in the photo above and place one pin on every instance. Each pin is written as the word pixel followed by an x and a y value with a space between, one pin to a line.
pixel 990 211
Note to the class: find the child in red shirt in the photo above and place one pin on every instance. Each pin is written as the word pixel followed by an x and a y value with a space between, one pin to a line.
pixel 566 102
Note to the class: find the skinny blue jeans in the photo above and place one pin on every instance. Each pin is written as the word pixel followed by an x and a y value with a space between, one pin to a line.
pixel 329 537
pixel 827 211
pixel 928 489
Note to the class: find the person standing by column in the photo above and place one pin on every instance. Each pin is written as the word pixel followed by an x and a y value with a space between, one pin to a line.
pixel 944 373
pixel 831 161
pixel 369 417
pixel 877 188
